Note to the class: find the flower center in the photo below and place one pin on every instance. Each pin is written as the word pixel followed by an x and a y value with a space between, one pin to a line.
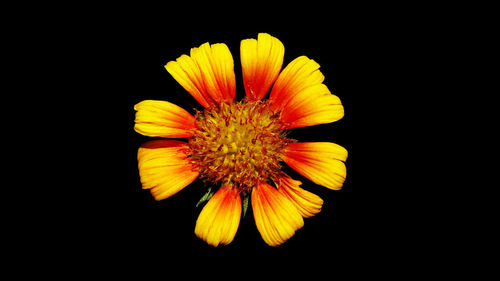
pixel 238 144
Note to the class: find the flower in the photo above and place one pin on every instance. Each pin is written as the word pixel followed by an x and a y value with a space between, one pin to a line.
pixel 241 145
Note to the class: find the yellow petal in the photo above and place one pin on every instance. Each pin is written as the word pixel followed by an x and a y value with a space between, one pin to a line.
pixel 276 217
pixel 312 106
pixel 301 97
pixel 321 162
pixel 296 76
pixel 164 168
pixel 207 74
pixel 220 218
pixel 187 73
pixel 308 204
pixel 163 119
pixel 261 62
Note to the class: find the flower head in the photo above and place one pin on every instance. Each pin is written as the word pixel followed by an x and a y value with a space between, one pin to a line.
pixel 240 146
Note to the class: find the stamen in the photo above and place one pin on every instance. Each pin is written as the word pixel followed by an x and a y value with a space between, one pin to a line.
pixel 238 144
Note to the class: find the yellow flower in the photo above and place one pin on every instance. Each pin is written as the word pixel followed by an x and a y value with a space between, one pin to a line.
pixel 240 145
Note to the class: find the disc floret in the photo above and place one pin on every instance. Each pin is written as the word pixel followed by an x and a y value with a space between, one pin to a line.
pixel 238 144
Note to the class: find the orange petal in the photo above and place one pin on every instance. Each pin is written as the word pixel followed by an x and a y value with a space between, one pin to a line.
pixel 220 218
pixel 276 217
pixel 297 75
pixel 308 204
pixel 321 162
pixel 312 106
pixel 302 98
pixel 261 62
pixel 208 74
pixel 164 167
pixel 163 119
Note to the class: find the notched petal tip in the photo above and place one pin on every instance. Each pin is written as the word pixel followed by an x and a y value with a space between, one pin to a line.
pixel 163 119
pixel 320 162
pixel 301 98
pixel 207 74
pixel 307 203
pixel 261 62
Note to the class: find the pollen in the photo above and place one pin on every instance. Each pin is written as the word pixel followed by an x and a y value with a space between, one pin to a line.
pixel 238 144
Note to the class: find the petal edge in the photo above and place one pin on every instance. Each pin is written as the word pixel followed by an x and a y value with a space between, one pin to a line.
pixel 276 217
pixel 321 162
pixel 207 74
pixel 307 203
pixel 164 168
pixel 163 119
pixel 219 220
pixel 301 98
pixel 261 62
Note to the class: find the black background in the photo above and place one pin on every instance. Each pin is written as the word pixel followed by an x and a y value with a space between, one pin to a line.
pixel 367 62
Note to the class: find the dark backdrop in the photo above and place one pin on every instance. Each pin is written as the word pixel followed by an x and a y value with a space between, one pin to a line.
pixel 365 63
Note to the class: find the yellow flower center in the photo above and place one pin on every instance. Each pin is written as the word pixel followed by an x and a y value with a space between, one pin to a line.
pixel 238 144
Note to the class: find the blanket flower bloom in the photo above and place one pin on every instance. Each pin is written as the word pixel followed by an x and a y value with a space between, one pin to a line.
pixel 239 146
